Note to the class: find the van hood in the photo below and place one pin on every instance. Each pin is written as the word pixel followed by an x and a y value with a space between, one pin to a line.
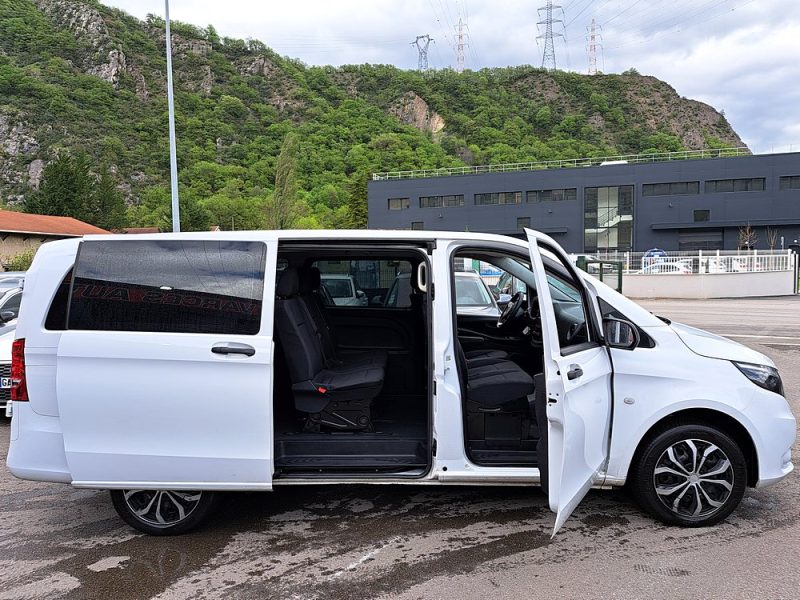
pixel 711 345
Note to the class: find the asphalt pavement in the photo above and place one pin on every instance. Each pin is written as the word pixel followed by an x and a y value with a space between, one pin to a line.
pixel 421 542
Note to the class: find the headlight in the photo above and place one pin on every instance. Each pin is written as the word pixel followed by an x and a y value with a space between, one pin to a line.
pixel 763 376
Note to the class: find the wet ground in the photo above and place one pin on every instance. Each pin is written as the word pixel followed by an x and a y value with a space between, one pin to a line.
pixel 415 542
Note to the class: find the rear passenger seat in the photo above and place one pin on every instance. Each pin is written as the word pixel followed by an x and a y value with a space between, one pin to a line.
pixel 335 393
pixel 310 281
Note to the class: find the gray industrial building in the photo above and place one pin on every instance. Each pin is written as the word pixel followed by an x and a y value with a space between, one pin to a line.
pixel 670 204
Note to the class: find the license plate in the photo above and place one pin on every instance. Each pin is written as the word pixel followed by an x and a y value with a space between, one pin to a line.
pixel 5 383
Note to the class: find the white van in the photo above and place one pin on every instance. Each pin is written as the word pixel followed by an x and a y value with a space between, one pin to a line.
pixel 168 368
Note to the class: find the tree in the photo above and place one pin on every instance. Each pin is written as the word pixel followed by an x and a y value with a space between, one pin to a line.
pixel 357 201
pixel 772 237
pixel 106 206
pixel 21 261
pixel 748 238
pixel 283 208
pixel 65 188
pixel 155 210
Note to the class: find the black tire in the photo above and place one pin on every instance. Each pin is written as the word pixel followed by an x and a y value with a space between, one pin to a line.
pixel 709 490
pixel 163 505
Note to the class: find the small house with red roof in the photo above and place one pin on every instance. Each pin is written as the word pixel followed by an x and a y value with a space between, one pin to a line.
pixel 20 232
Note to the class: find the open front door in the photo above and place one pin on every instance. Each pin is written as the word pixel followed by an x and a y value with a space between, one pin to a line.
pixel 578 379
pixel 164 374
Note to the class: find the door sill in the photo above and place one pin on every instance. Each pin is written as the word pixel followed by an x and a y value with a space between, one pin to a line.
pixel 166 485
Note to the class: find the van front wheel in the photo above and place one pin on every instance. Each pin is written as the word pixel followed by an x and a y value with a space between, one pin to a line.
pixel 163 512
pixel 690 475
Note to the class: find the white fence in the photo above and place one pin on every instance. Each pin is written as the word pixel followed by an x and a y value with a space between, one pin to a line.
pixel 717 261
pixel 701 274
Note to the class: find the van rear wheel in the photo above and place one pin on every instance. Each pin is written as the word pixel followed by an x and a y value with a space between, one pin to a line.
pixel 163 512
pixel 690 475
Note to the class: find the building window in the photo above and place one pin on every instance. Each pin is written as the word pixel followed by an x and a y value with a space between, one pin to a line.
pixel 701 216
pixel 523 222
pixel 691 241
pixel 499 198
pixel 551 195
pixel 453 200
pixel 672 188
pixel 398 203
pixel 448 201
pixel 790 182
pixel 608 218
pixel 753 184
pixel 417 225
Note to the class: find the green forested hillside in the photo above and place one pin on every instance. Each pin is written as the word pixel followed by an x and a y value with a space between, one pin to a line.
pixel 81 80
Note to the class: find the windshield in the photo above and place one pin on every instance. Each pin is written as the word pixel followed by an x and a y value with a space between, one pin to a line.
pixel 472 292
pixel 339 288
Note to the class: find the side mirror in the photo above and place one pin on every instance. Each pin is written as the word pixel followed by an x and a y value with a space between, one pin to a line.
pixel 504 299
pixel 7 315
pixel 620 334
pixel 360 294
pixel 376 301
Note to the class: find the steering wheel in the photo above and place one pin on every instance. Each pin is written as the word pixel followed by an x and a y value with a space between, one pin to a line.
pixel 574 331
pixel 512 311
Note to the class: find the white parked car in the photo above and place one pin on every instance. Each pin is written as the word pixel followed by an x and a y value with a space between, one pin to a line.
pixel 473 296
pixel 344 290
pixel 168 380
pixel 10 298
pixel 667 268
pixel 6 340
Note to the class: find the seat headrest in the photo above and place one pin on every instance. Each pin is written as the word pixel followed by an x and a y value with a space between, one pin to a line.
pixel 310 279
pixel 288 283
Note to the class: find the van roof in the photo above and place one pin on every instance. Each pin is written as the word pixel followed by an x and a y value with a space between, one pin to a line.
pixel 315 234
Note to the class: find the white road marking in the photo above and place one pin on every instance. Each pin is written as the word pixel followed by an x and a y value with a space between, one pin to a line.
pixel 766 335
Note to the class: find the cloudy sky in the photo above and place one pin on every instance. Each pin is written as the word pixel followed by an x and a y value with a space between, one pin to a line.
pixel 740 56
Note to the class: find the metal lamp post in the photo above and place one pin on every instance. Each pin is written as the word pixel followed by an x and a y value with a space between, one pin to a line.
pixel 173 155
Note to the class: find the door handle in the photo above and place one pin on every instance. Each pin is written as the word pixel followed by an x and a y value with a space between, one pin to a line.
pixel 574 372
pixel 233 349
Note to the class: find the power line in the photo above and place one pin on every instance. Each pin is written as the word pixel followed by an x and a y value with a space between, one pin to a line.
pixel 622 12
pixel 583 10
pixel 686 17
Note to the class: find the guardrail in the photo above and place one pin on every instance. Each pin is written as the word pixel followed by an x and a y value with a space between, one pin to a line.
pixel 564 163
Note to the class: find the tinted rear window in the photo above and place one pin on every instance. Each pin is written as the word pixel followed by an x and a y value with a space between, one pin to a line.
pixel 169 286
pixel 57 314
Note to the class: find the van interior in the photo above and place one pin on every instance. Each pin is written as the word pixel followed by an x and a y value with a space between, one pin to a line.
pixel 353 376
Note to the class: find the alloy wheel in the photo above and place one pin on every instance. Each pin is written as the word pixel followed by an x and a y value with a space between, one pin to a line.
pixel 693 478
pixel 161 508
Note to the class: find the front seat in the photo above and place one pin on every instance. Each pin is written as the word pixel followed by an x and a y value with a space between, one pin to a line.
pixel 496 400
pixel 492 386
pixel 335 396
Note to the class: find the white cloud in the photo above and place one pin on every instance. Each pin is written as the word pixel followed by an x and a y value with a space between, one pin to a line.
pixel 737 55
